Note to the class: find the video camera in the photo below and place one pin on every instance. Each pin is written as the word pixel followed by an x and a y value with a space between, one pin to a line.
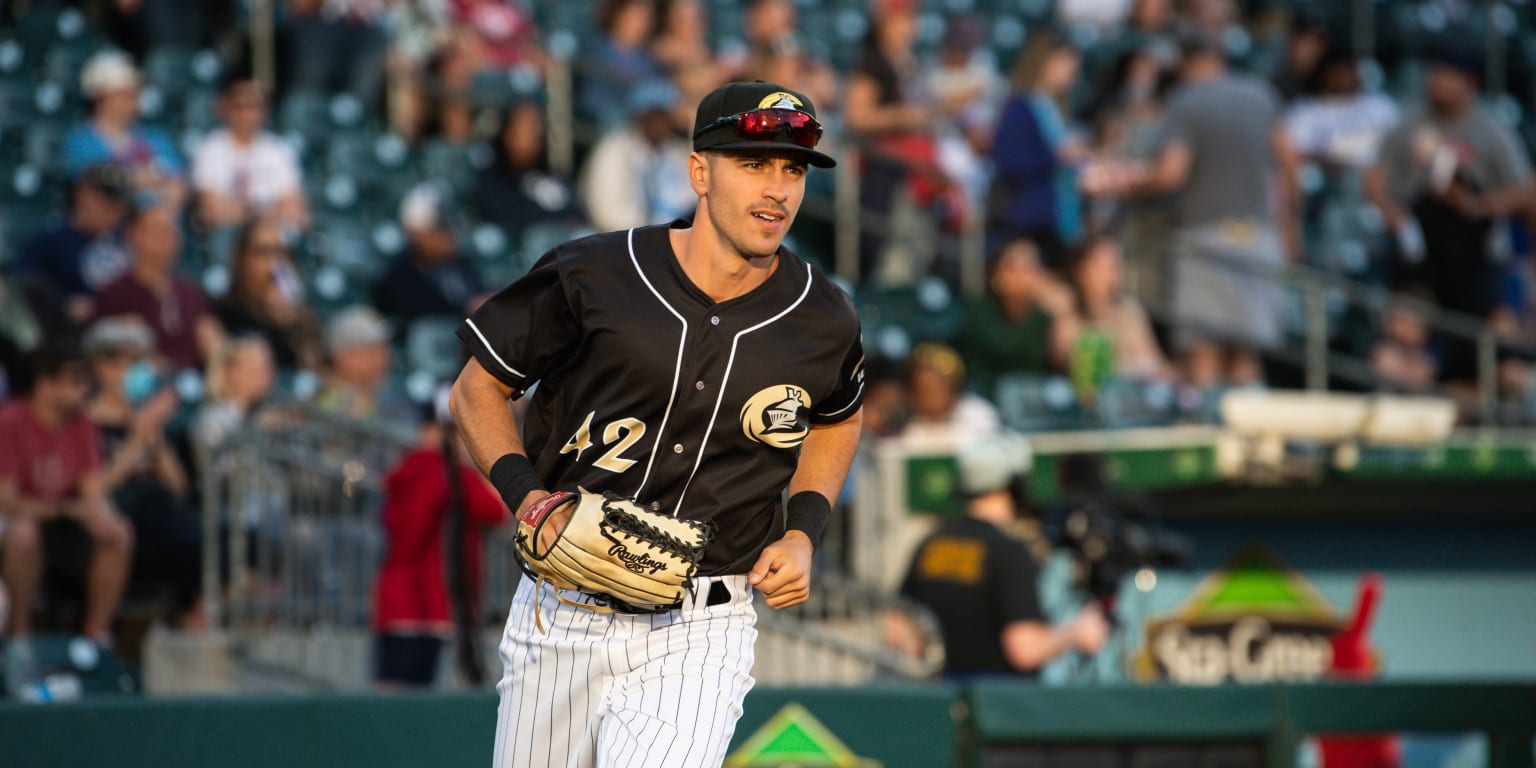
pixel 1110 535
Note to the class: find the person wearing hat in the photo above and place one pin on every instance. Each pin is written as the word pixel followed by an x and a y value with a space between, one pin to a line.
pixel 429 279
pixel 636 174
pixel 113 133
pixel 141 468
pixel 77 256
pixel 359 359
pixel 704 370
pixel 1444 179
pixel 979 580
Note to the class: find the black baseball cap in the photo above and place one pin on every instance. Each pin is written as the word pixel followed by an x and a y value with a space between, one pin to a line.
pixel 712 130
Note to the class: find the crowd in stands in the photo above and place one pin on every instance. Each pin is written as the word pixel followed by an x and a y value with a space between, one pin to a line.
pixel 190 243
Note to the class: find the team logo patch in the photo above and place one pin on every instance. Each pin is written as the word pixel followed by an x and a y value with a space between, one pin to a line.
pixel 780 100
pixel 777 416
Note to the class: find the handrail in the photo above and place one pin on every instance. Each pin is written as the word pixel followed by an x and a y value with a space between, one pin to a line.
pixel 1316 285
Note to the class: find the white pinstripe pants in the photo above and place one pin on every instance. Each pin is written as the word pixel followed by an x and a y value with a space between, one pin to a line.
pixel 616 690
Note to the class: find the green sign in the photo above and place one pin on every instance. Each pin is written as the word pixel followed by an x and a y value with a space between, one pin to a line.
pixel 794 737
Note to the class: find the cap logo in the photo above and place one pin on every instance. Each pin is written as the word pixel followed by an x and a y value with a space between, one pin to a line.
pixel 780 100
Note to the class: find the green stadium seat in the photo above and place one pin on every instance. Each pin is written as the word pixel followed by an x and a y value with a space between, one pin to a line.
pixel 169 69
pixel 927 311
pixel 1032 403
pixel 305 114
pixel 431 347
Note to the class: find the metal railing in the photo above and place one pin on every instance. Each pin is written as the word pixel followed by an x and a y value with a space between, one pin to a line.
pixel 293 538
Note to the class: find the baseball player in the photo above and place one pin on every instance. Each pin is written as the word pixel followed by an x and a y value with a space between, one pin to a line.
pixel 708 373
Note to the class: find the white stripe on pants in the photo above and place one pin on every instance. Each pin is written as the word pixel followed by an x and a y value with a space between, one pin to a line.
pixel 604 689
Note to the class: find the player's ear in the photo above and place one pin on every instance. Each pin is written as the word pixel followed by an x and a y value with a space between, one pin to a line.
pixel 698 172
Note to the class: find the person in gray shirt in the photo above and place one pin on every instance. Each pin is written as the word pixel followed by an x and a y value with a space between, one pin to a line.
pixel 1220 163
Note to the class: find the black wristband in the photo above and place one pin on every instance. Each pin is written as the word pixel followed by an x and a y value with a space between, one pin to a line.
pixel 808 512
pixel 514 478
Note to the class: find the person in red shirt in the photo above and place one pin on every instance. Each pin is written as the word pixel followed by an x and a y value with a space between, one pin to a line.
pixel 412 604
pixel 51 487
pixel 173 306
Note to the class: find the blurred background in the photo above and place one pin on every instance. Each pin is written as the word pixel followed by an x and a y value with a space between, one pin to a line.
pixel 1200 343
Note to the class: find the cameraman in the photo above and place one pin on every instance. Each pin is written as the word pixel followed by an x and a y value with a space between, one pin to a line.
pixel 979 580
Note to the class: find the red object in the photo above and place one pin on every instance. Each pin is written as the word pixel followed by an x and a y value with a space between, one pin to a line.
pixel 1354 661
pixel 411 594
pixel 46 464
pixel 173 318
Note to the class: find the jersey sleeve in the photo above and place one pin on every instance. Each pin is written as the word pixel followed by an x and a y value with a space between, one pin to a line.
pixel 525 331
pixel 845 400
pixel 1016 584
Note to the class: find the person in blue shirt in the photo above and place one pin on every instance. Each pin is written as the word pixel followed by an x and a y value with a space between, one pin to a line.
pixel 113 133
pixel 75 257
pixel 1035 152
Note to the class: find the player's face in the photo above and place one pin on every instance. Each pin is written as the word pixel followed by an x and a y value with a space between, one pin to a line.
pixel 752 199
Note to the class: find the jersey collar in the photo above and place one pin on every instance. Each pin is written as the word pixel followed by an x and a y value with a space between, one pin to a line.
pixel 653 252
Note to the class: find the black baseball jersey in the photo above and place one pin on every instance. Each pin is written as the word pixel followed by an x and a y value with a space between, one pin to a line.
pixel 649 388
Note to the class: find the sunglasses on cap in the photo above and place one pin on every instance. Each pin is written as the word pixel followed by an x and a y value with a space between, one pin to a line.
pixel 769 124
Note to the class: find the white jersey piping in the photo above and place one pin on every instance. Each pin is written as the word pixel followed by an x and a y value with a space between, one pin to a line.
pixel 677 369
pixel 492 349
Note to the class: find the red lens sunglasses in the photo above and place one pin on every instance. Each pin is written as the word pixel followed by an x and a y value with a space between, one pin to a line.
pixel 768 124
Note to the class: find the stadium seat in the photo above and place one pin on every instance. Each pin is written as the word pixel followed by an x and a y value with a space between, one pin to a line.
pixel 927 311
pixel 431 347
pixel 305 114
pixel 169 69
pixel 1033 403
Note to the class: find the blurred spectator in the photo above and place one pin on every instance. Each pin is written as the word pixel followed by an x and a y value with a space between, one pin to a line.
pixel 1305 48
pixel 980 580
pixel 141 26
pixel 680 40
pixel 1022 325
pixel 30 316
pixel 1152 27
pixel 1401 358
pixel 1128 117
pixel 172 305
pixel 411 615
pixel 429 279
pixel 786 60
pixel 79 255
pixel 240 377
pixel 969 81
pixel 417 30
pixel 518 190
pixel 447 114
pixel 766 22
pixel 1223 144
pixel 1037 153
pixel 333 46
pixel 359 357
pixel 638 174
pixel 114 135
pixel 1114 337
pixel 53 498
pixel 943 415
pixel 241 171
pixel 1442 180
pixel 885 398
pixel 1337 123
pixel 266 298
pixel 503 31
pixel 142 472
pixel 618 60
pixel 889 112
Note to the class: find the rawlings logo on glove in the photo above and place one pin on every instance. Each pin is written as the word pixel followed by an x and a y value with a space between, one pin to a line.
pixel 630 558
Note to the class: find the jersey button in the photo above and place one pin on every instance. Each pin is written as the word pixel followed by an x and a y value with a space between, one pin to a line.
pixel 714 320
pixel 677 448
pixel 699 385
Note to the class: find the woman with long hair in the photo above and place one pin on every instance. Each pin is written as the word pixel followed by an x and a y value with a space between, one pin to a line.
pixel 266 297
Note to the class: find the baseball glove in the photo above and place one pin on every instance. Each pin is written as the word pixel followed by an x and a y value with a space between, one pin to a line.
pixel 633 560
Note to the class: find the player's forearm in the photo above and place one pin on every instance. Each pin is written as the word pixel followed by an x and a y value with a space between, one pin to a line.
pixel 479 404
pixel 825 457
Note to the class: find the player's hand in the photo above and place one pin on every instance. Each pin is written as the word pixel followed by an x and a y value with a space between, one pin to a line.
pixel 554 524
pixel 783 571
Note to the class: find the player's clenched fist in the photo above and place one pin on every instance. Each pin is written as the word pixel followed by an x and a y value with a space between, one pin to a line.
pixel 783 571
